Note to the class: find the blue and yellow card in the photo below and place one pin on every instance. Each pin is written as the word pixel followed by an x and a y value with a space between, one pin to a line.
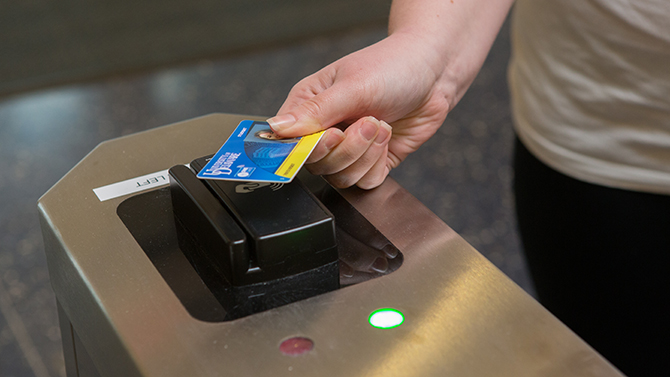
pixel 253 153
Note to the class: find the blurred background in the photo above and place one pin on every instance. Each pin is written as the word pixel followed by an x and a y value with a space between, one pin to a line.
pixel 75 73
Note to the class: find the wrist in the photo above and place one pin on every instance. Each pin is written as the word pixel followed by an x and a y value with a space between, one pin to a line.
pixel 430 55
pixel 459 34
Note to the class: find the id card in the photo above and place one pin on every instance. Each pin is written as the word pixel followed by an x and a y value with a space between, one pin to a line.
pixel 253 153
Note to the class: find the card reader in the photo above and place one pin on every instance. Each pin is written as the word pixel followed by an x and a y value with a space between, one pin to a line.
pixel 253 232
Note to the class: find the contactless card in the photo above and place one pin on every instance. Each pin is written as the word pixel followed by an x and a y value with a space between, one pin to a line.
pixel 253 153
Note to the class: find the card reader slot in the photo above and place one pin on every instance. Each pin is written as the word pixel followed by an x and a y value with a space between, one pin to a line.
pixel 209 295
pixel 209 223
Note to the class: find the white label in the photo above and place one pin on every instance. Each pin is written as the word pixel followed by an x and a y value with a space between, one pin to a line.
pixel 133 185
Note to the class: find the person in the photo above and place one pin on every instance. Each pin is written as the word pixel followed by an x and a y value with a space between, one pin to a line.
pixel 590 89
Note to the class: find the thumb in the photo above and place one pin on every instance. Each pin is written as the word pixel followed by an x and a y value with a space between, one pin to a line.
pixel 316 113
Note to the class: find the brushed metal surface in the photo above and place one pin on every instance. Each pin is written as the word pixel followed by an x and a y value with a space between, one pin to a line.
pixel 463 316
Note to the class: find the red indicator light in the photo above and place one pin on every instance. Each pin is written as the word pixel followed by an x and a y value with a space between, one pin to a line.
pixel 296 346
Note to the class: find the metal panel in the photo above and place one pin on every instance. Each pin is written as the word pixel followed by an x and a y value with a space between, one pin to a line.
pixel 463 316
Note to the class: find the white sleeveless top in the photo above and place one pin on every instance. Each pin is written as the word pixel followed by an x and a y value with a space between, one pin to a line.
pixel 590 84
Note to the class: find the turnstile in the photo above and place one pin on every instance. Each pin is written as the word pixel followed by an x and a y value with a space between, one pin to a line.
pixel 133 303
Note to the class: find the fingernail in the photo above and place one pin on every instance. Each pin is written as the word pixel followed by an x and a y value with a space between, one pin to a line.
pixel 384 131
pixel 332 139
pixel 281 122
pixel 346 270
pixel 369 128
pixel 390 251
pixel 380 265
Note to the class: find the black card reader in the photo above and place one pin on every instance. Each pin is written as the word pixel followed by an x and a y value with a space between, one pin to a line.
pixel 254 232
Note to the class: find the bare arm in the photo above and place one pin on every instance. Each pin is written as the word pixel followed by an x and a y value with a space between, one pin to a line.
pixel 409 80
pixel 460 32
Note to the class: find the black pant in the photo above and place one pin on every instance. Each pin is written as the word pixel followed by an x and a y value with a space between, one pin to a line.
pixel 600 260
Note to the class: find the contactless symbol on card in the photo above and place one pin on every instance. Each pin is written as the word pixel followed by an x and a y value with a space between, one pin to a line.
pixel 254 153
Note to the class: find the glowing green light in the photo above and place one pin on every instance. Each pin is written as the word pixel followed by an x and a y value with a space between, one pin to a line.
pixel 386 318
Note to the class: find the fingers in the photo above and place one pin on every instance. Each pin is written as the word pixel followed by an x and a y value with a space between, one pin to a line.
pixel 359 137
pixel 331 138
pixel 376 175
pixel 357 158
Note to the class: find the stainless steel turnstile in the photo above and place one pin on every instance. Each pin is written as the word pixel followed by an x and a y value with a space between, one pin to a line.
pixel 120 316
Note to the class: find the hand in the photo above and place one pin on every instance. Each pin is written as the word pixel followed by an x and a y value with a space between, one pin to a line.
pixel 410 80
pixel 356 156
pixel 399 81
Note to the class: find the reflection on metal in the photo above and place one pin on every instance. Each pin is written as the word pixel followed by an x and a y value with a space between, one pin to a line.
pixel 364 254
pixel 463 317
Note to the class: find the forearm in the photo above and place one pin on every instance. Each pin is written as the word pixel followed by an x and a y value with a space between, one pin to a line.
pixel 408 82
pixel 456 36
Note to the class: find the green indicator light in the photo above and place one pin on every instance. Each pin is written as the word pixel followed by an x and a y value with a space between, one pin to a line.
pixel 386 318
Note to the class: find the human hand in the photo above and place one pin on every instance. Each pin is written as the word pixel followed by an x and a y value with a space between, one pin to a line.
pixel 386 100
